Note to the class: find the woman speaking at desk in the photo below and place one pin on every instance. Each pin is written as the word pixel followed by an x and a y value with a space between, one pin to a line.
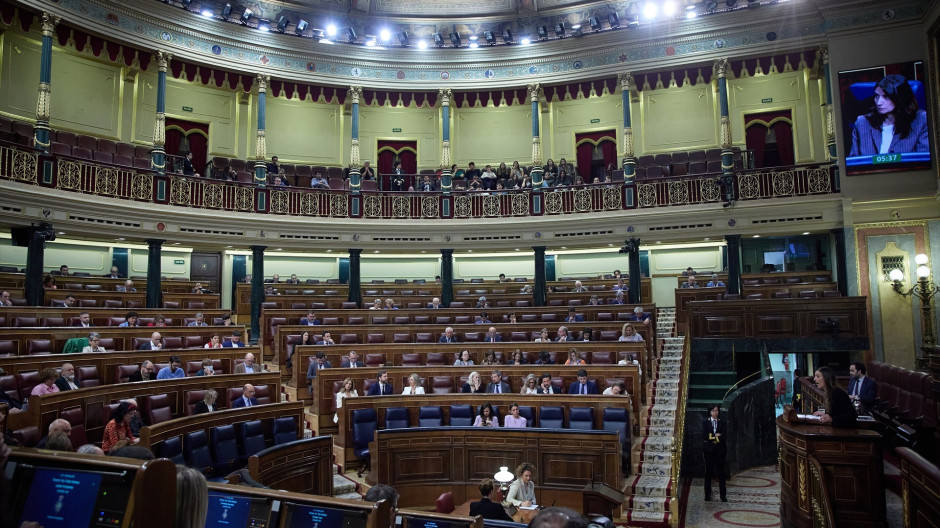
pixel 522 491
pixel 895 124
pixel 838 409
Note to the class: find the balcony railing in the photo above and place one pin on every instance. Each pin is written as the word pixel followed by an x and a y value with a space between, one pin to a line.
pixel 26 166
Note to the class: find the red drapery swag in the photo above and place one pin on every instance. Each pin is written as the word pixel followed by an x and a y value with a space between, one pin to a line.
pixel 585 143
pixel 197 134
pixel 407 152
pixel 755 133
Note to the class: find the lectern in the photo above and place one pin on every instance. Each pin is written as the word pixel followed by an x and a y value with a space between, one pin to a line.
pixel 600 500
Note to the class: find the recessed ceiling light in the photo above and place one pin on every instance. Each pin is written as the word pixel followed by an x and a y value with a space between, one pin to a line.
pixel 517 249
pixel 707 239
pixel 564 247
pixel 525 41
pixel 610 245
pixel 422 44
pixel 61 232
pixel 119 238
pixel 279 249
pixel 228 246
pixel 756 236
pixel 376 251
pixel 331 30
pixel 207 13
pixel 474 45
pixel 385 35
pixel 469 251
pixel 174 243
pixel 659 241
pixel 329 251
pixel 805 232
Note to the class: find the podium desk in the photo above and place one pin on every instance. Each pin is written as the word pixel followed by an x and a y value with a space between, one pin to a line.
pixel 826 469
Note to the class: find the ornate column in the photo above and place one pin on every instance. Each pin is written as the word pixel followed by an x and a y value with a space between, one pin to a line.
pixel 41 131
pixel 633 260
pixel 154 273
pixel 446 181
pixel 830 124
pixel 841 268
pixel 355 277
pixel 538 291
pixel 447 277
pixel 727 156
pixel 734 263
pixel 158 154
pixel 535 90
pixel 355 183
pixel 629 158
pixel 261 154
pixel 257 291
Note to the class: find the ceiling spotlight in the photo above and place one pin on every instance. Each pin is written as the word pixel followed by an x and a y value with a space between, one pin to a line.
pixel 371 42
pixel 246 16
pixel 614 20
pixel 542 32
pixel 227 11
pixel 282 23
pixel 560 29
pixel 507 36
pixel 403 38
pixel 489 37
pixel 690 5
pixel 525 41
pixel 474 38
pixel 350 34
pixel 576 30
pixel 422 44
pixel 207 13
pixel 691 14
pixel 474 45
pixel 264 25
pixel 331 30
pixel 455 39
pixel 385 35
pixel 649 11
pixel 595 23
pixel 301 26
pixel 669 8
pixel 438 40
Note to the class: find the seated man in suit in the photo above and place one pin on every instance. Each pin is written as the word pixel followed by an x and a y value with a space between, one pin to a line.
pixel 155 342
pixel 352 361
pixel 574 316
pixel 583 385
pixel 618 299
pixel 235 342
pixel 115 273
pixel 310 320
pixel 861 388
pixel 492 336
pixel 145 373
pixel 319 363
pixel 326 339
pixel 248 365
pixel 200 321
pixel 67 380
pixel 715 282
pixel 448 336
pixel 383 387
pixel 563 334
pixel 172 370
pixel 487 508
pixel 435 303
pixel 84 320
pixel 497 385
pixel 545 385
pixel 293 279
pixel 639 315
pixel 690 283
pixel 128 287
pixel 247 399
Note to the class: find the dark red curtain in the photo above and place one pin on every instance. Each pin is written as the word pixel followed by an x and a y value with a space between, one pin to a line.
pixel 609 149
pixel 586 141
pixel 584 155
pixel 385 161
pixel 197 134
pixel 783 130
pixel 406 152
pixel 756 137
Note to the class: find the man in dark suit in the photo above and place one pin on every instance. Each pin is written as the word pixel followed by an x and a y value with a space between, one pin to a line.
pixel 862 388
pixel 545 385
pixel 310 320
pixel 318 363
pixel 583 385
pixel 146 372
pixel 487 508
pixel 155 342
pixel 714 450
pixel 383 387
pixel 492 336
pixel 247 399
pixel 115 273
pixel 563 334
pixel 67 380
pixel 352 361
pixel 448 336
pixel 435 304
pixel 84 320
pixel 497 385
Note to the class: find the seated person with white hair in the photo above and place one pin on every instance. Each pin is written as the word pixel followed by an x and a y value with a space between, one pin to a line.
pixel 94 344
pixel 248 365
pixel 639 315
pixel 715 282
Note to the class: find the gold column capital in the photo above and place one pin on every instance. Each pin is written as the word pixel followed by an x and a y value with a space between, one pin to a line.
pixel 355 92
pixel 445 95
pixel 49 22
pixel 163 59
pixel 626 81
pixel 535 90
pixel 823 51
pixel 263 81
pixel 721 67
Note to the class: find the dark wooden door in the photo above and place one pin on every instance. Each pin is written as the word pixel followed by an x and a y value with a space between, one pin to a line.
pixel 207 269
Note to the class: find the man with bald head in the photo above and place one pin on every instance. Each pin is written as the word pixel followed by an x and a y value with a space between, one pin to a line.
pixel 67 380
pixel 5 299
pixel 146 372
pixel 248 366
pixel 492 336
pixel 57 426
pixel 155 342
pixel 247 398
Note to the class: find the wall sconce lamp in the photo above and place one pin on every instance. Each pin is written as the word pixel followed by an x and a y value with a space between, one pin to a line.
pixel 924 289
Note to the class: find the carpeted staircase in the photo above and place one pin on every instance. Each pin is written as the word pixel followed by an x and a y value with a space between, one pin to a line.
pixel 343 487
pixel 649 491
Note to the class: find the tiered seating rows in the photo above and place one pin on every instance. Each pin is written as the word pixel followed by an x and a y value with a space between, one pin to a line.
pixel 27 341
pixel 693 162
pixel 53 316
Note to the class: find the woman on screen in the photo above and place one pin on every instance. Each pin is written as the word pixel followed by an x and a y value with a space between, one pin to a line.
pixel 895 124
pixel 522 491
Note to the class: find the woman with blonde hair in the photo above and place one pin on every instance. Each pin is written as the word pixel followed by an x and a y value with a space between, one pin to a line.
pixel 629 335
pixel 207 404
pixel 530 385
pixel 192 498
pixel 346 391
pixel 474 384
pixel 414 385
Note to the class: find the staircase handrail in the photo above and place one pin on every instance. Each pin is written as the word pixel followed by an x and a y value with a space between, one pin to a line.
pixel 677 440
pixel 738 384
pixel 823 517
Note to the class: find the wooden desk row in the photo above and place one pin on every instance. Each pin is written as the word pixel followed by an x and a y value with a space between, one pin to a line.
pixel 822 318
pixel 425 462
pixel 94 401
pixel 47 315
pixel 796 290
pixel 389 334
pixel 18 280
pixel 328 382
pixel 132 301
pixel 44 340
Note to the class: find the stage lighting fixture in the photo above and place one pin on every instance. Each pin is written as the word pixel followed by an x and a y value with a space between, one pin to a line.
pixel 525 41
pixel 403 38
pixel 614 20
pixel 385 35
pixel 595 23
pixel 507 36
pixel 350 34
pixel 264 25
pixel 206 12
pixel 474 45
pixel 331 30
pixel 542 32
pixel 422 44
pixel 371 42
pixel 490 37
pixel 560 29
pixel 576 30
pixel 246 16
pixel 438 40
pixel 282 23
pixel 455 39
pixel 301 26
pixel 227 11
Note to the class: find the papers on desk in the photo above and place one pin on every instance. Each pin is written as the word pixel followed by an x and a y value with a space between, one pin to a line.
pixel 810 417
pixel 866 418
pixel 532 507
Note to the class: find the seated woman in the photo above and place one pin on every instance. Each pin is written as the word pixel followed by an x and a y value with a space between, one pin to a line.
pixel 522 491
pixel 346 391
pixel 486 417
pixel 518 358
pixel 839 410
pixel 513 420
pixel 305 339
pixel 46 383
pixel 530 385
pixel 474 385
pixel 414 385
pixel 574 358
pixel 158 320
pixel 94 340
pixel 463 359
pixel 117 433
pixel 543 337
pixel 215 341
pixel 48 283
pixel 617 389
pixel 629 335
pixel 489 358
pixel 207 405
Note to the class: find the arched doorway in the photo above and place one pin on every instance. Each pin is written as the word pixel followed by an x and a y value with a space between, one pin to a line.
pixel 769 136
pixel 187 136
pixel 595 151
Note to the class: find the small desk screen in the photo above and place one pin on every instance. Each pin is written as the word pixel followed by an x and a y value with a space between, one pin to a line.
pixel 424 522
pixel 59 498
pixel 309 516
pixel 227 510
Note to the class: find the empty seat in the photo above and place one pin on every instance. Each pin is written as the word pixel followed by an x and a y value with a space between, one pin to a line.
pixel 348 339
pixel 38 346
pixel 551 417
pixel 435 359
pixel 461 415
pixel 224 449
pixel 363 429
pixel 192 397
pixel 410 359
pixel 617 419
pixel 441 384
pixel 375 360
pixel 196 451
pixel 87 376
pixel 581 418
pixel 250 439
pixel 156 409
pixel 430 416
pixel 284 430
pixel 172 449
pixel 397 418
